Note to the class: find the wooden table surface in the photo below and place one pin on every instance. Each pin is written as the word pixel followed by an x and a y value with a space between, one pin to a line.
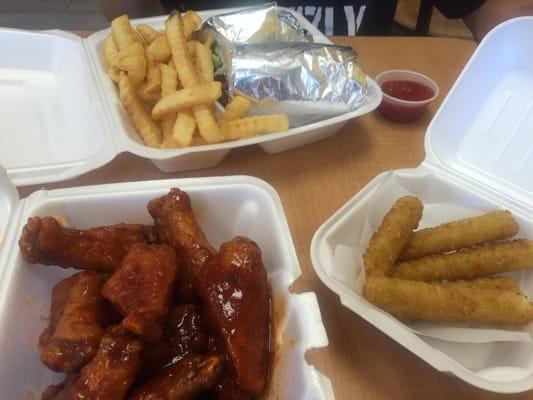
pixel 313 182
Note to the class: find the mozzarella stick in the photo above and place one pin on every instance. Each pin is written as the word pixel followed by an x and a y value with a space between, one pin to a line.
pixel 459 234
pixel 496 282
pixel 392 235
pixel 422 301
pixel 468 264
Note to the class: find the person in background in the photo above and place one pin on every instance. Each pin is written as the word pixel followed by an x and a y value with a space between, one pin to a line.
pixel 342 17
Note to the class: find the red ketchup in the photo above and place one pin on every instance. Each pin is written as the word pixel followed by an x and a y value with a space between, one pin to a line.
pixel 408 91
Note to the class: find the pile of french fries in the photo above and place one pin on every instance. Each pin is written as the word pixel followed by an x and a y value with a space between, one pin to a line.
pixel 448 272
pixel 166 84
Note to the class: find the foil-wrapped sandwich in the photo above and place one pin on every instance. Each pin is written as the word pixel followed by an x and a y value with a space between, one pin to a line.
pixel 266 23
pixel 265 55
pixel 307 81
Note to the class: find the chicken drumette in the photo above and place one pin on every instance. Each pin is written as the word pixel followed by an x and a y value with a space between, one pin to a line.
pixel 45 241
pixel 183 380
pixel 175 224
pixel 110 373
pixel 77 322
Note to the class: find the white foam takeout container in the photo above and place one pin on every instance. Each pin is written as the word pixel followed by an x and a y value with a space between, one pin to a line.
pixel 61 115
pixel 479 157
pixel 250 207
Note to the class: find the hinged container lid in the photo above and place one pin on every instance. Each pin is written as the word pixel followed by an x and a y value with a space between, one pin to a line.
pixel 483 131
pixel 51 113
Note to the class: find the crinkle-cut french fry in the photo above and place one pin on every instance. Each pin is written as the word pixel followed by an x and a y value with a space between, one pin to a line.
pixel 111 57
pixel 158 49
pixel 170 63
pixel 147 32
pixel 153 75
pixel 256 125
pixel 469 263
pixel 236 108
pixel 139 38
pixel 136 77
pixel 412 301
pixel 145 126
pixel 129 64
pixel 496 282
pixel 167 125
pixel 191 21
pixel 180 52
pixel 392 235
pixel 132 60
pixel 169 80
pixel 207 125
pixel 187 98
pixel 204 62
pixel 191 46
pixel 122 33
pixel 110 51
pixel 149 97
pixel 169 84
pixel 198 140
pixel 184 127
pixel 459 234
pixel 132 57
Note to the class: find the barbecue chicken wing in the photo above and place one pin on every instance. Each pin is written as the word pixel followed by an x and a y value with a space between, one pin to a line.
pixel 236 298
pixel 183 335
pixel 44 241
pixel 110 373
pixel 77 322
pixel 175 224
pixel 141 289
pixel 183 380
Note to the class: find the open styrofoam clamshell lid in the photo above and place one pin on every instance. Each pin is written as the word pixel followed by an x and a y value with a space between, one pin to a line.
pixel 61 114
pixel 251 208
pixel 479 158
pixel 53 124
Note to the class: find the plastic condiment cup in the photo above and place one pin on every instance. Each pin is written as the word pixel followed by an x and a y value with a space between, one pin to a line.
pixel 400 110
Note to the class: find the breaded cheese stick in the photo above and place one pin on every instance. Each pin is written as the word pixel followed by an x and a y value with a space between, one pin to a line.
pixel 456 235
pixel 468 264
pixel 422 301
pixel 496 282
pixel 392 235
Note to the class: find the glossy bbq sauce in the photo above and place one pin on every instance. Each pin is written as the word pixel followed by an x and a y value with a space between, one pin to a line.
pixel 407 90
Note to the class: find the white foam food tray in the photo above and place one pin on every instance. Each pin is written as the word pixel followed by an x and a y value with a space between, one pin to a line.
pixel 250 207
pixel 61 115
pixel 479 157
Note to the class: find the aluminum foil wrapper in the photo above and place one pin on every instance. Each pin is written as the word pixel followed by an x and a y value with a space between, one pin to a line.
pixel 265 23
pixel 307 81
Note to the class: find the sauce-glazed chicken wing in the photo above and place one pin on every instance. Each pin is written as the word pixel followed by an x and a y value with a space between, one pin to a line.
pixel 183 335
pixel 77 322
pixel 110 373
pixel 141 289
pixel 236 298
pixel 45 241
pixel 183 380
pixel 175 224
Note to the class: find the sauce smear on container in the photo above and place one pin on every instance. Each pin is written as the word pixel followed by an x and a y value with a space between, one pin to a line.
pixel 407 90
